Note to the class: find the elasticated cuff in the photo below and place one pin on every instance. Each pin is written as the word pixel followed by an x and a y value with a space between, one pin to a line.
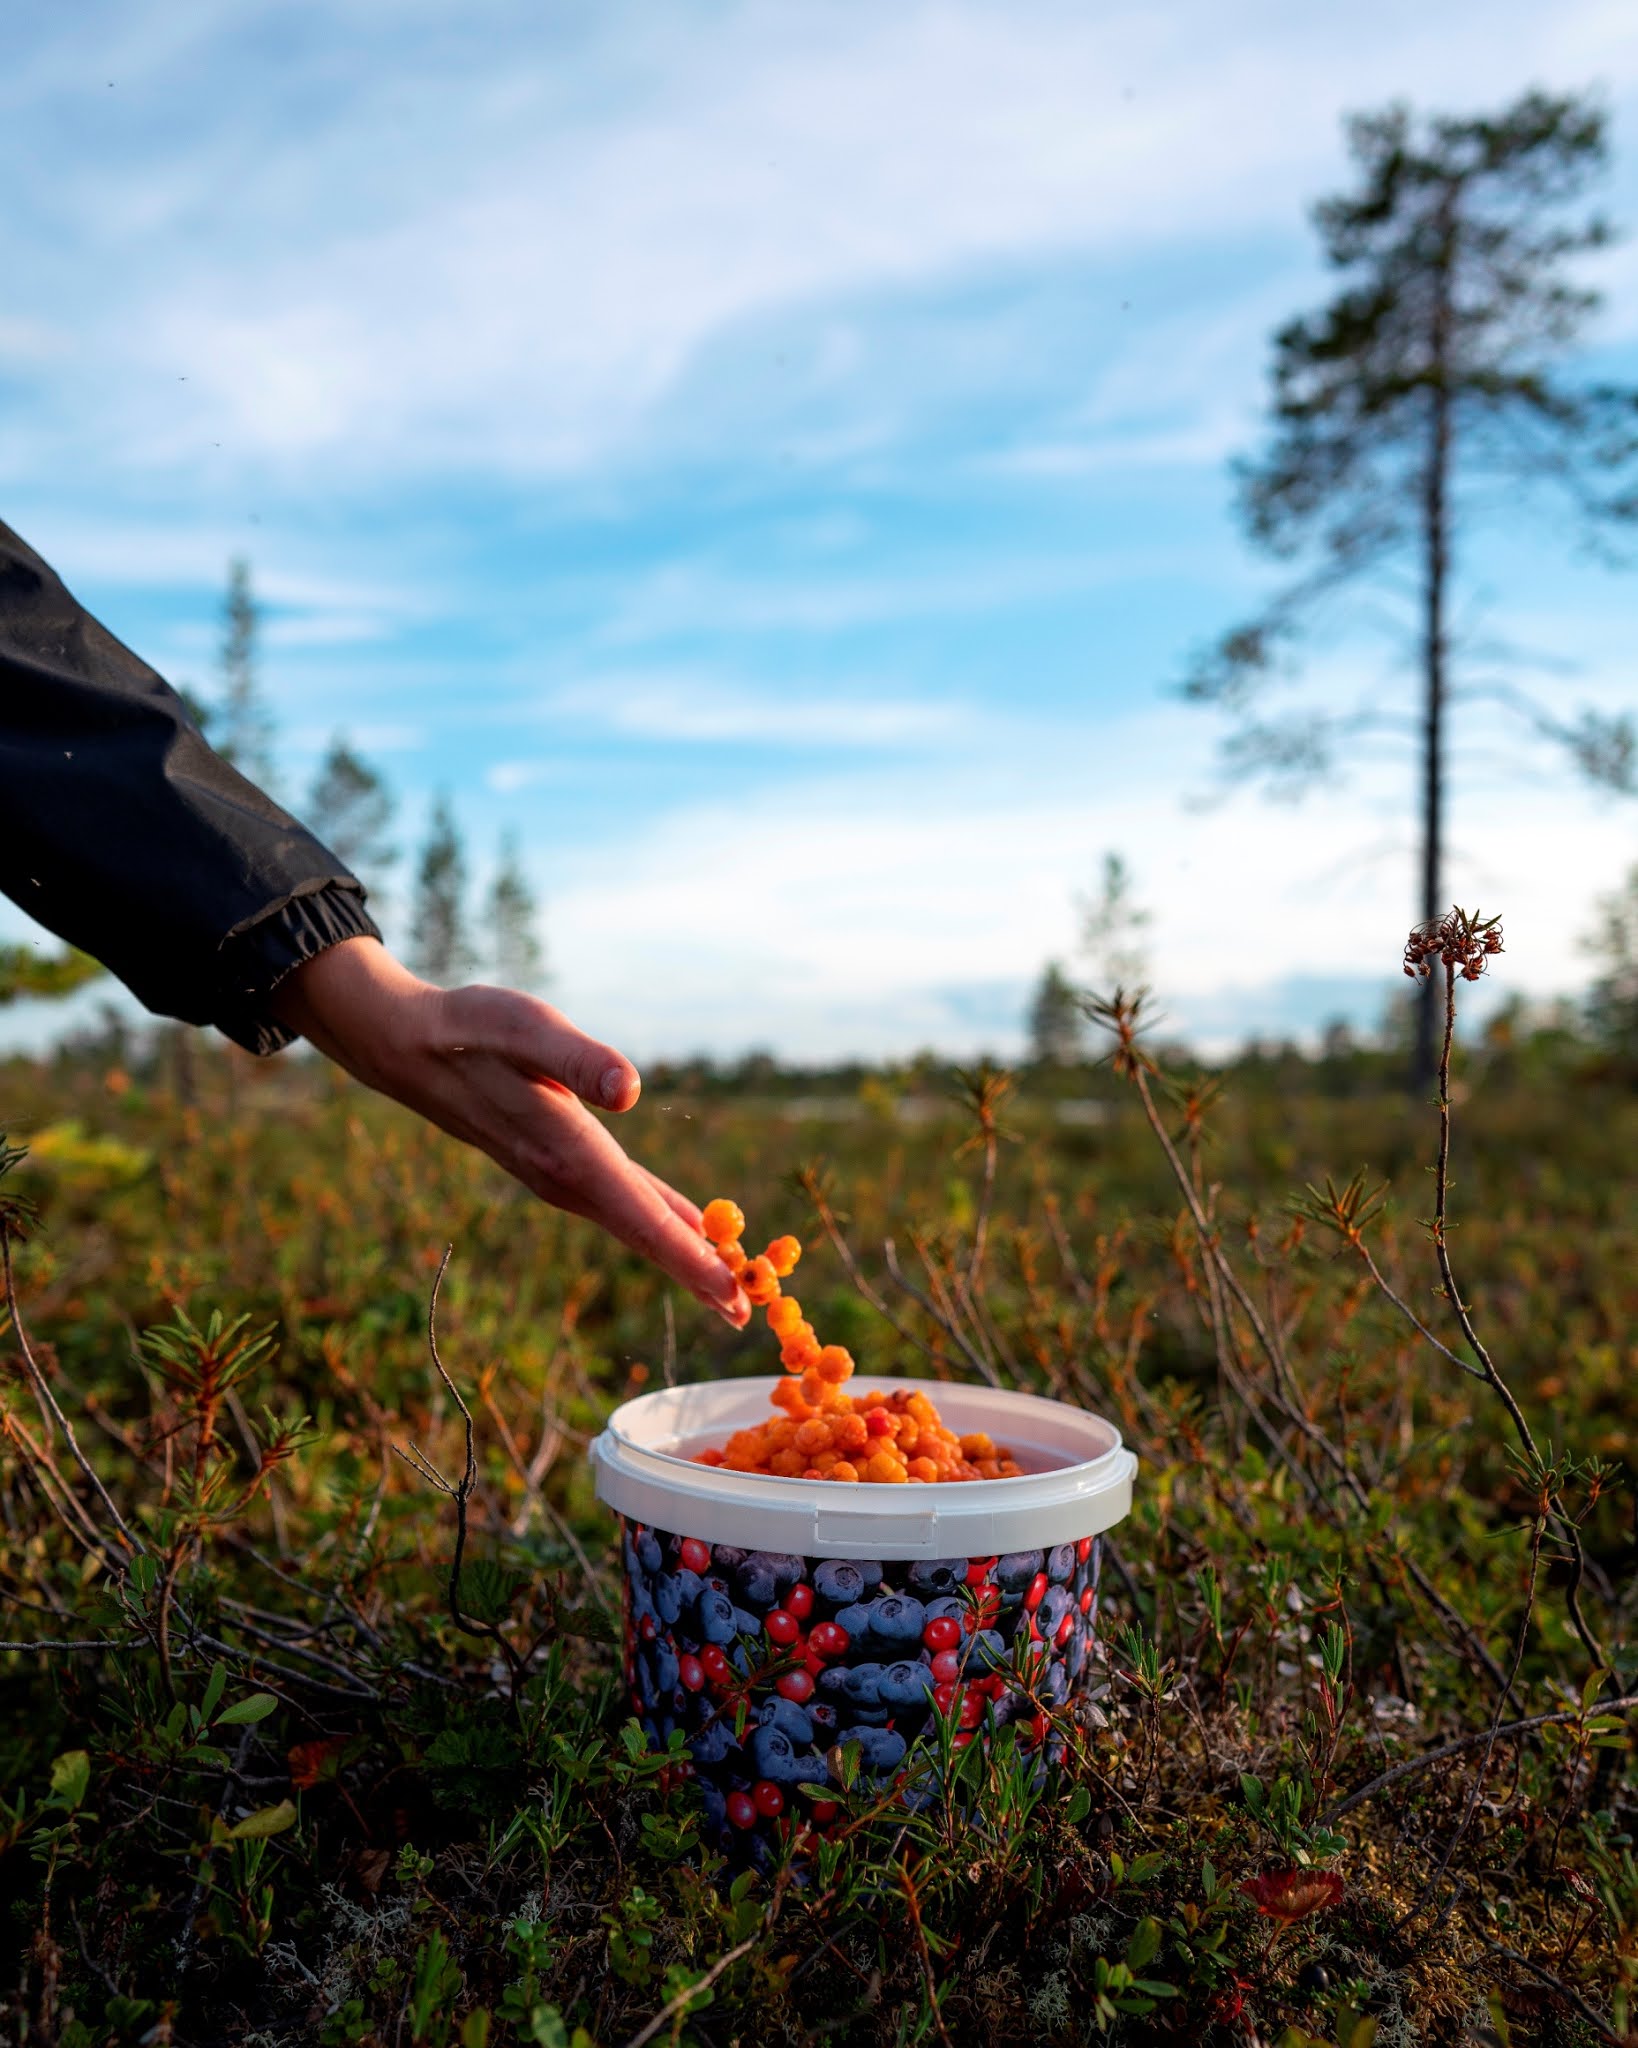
pixel 257 957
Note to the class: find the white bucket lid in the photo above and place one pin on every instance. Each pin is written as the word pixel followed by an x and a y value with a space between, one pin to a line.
pixel 1077 1478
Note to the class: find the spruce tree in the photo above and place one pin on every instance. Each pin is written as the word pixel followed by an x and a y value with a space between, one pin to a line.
pixel 242 720
pixel 512 924
pixel 1113 930
pixel 1434 374
pixel 1055 1019
pixel 350 808
pixel 440 944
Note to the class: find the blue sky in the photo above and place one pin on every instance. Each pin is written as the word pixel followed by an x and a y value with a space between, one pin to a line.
pixel 773 458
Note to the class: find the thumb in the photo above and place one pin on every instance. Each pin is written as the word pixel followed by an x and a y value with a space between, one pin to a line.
pixel 542 1042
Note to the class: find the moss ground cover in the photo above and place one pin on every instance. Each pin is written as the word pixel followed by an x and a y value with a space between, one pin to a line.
pixel 1361 1768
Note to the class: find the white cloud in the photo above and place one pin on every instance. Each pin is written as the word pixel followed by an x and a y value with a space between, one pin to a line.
pixel 509 252
pixel 684 596
pixel 877 896
pixel 701 708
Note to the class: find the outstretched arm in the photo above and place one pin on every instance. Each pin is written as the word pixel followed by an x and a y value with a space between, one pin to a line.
pixel 511 1076
pixel 125 834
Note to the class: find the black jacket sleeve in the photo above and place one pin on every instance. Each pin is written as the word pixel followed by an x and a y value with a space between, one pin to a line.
pixel 122 832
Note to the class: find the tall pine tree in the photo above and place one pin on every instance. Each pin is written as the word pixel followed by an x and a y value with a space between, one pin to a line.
pixel 1435 371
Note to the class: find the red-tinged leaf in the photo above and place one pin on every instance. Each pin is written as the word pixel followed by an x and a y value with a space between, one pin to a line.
pixel 311 1761
pixel 1291 1895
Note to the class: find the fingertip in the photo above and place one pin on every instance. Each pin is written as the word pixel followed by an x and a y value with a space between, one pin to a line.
pixel 735 1311
pixel 620 1087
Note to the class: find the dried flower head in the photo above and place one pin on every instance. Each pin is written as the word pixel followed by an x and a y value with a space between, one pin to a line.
pixel 1456 941
pixel 1291 1895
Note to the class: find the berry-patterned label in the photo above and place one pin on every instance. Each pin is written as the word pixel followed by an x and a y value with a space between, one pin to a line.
pixel 772 1664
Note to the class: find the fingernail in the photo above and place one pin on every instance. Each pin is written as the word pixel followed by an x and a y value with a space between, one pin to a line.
pixel 614 1085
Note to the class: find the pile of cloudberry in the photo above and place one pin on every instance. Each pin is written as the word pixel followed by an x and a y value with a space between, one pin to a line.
pixel 823 1432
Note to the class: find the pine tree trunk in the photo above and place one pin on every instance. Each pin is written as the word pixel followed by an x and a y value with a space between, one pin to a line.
pixel 1435 576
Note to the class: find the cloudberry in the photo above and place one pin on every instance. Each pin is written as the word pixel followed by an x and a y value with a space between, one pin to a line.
pixel 723 1220
pixel 822 1431
pixel 760 1281
pixel 784 1313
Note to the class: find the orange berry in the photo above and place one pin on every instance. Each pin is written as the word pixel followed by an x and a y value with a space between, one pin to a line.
pixel 759 1280
pixel 923 1468
pixel 783 1254
pixel 844 1470
pixel 788 1464
pixel 885 1471
pixel 851 1432
pixel 977 1445
pixel 834 1364
pixel 788 1395
pixel 784 1314
pixel 813 1436
pixel 723 1220
pixel 813 1388
pixel 732 1256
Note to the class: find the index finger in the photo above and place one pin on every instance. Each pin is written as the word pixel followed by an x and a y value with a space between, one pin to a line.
pixel 613 1191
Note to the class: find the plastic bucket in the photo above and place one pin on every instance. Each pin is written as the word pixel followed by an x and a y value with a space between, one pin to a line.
pixel 776 1621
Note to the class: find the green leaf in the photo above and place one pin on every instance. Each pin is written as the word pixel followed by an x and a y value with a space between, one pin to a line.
pixel 1255 1797
pixel 1080 1805
pixel 256 1708
pixel 591 1623
pixel 486 1589
pixel 1144 1945
pixel 144 1573
pixel 70 1780
pixel 1156 1989
pixel 215 1685
pixel 269 1820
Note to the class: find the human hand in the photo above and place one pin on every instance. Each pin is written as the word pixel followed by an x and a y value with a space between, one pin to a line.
pixel 507 1074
